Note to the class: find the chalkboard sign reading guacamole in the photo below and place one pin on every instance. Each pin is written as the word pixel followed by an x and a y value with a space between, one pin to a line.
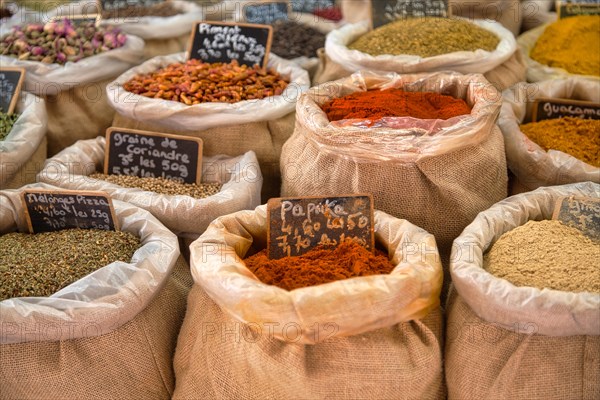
pixel 214 42
pixel 544 108
pixel 573 8
pixel 153 155
pixel 54 210
pixel 298 224
pixel 11 81
pixel 582 213
pixel 386 11
pixel 265 13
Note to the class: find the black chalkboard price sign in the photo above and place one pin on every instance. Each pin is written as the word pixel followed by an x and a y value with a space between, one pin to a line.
pixel 298 224
pixel 265 13
pixel 54 210
pixel 308 6
pixel 154 155
pixel 386 11
pixel 118 4
pixel 546 108
pixel 11 82
pixel 582 213
pixel 214 42
pixel 573 8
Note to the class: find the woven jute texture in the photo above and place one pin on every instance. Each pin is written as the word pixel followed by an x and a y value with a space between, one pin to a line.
pixel 217 358
pixel 27 171
pixel 485 361
pixel 132 362
pixel 265 138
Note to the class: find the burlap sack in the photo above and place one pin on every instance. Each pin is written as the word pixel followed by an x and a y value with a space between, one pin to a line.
pixel 109 335
pixel 23 151
pixel 261 126
pixel 531 164
pixel 503 67
pixel 537 72
pixel 75 93
pixel 183 215
pixel 437 181
pixel 508 342
pixel 369 337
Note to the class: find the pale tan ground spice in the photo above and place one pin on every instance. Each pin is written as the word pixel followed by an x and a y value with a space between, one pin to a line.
pixel 574 136
pixel 546 254
pixel 44 263
pixel 162 185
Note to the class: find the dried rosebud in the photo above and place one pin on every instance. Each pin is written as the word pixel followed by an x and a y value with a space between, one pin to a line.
pixel 37 51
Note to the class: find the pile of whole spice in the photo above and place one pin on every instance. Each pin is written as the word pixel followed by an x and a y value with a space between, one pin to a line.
pixel 577 137
pixel 291 40
pixel 195 82
pixel 164 9
pixel 426 37
pixel 6 123
pixel 376 104
pixel 44 263
pixel 571 44
pixel 319 265
pixel 60 41
pixel 162 185
pixel 546 254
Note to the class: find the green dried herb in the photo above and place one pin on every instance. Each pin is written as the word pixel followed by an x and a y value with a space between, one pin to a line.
pixel 6 123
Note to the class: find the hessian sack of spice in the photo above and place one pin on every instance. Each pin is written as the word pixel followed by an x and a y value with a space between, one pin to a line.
pixel 365 337
pixel 518 342
pixel 503 66
pixel 186 216
pixel 437 174
pixel 532 165
pixel 226 128
pixel 23 150
pixel 111 334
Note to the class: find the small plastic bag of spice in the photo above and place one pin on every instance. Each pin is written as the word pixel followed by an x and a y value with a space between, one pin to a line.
pixel 186 216
pixel 23 149
pixel 263 337
pixel 502 66
pixel 505 341
pixel 529 162
pixel 120 320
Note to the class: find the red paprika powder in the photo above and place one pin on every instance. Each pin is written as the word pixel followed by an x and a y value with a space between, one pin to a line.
pixel 320 265
pixel 377 104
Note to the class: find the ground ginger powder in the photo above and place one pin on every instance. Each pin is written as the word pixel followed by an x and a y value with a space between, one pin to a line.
pixel 572 44
pixel 546 254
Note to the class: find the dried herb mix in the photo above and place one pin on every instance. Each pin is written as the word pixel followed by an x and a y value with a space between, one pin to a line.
pixel 426 37
pixel 546 254
pixel 6 123
pixel 42 264
pixel 292 40
pixel 162 185
pixel 577 137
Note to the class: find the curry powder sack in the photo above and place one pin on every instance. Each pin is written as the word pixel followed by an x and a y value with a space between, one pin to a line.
pixel 529 162
pixel 186 216
pixel 245 339
pixel 234 129
pixel 503 66
pixel 515 342
pixel 23 150
pixel 111 334
pixel 436 174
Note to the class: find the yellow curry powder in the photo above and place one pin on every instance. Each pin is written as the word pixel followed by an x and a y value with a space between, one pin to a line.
pixel 572 44
pixel 577 137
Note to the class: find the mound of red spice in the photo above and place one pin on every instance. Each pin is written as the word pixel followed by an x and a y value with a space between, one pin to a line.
pixel 320 265
pixel 376 104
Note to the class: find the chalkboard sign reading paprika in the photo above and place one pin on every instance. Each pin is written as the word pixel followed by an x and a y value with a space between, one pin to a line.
pixel 299 224
pixel 213 42
pixel 54 210
pixel 386 11
pixel 582 213
pixel 573 8
pixel 153 155
pixel 11 82
pixel 545 108
pixel 265 13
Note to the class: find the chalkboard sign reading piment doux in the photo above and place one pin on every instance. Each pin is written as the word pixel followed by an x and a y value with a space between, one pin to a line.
pixel 298 224
pixel 54 210
pixel 214 42
pixel 153 155
pixel 556 108
pixel 265 13
pixel 386 11
pixel 11 81
pixel 582 213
